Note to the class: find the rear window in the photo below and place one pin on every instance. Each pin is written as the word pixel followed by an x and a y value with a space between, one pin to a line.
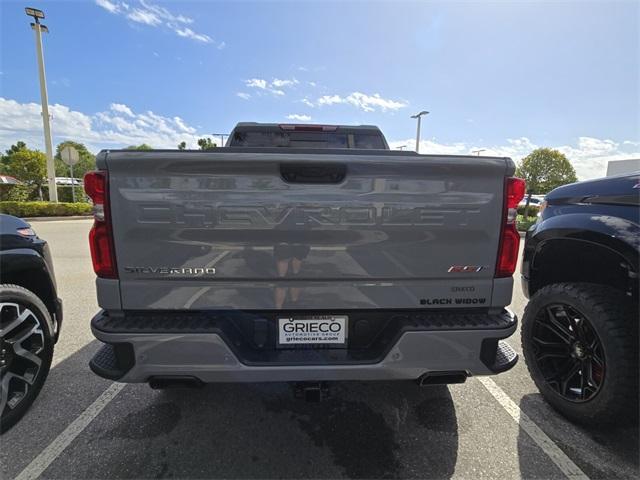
pixel 306 139
pixel 367 141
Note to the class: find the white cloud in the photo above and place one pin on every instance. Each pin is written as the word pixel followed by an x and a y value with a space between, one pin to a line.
pixel 144 16
pixel 117 127
pixel 257 83
pixel 589 156
pixel 330 100
pixel 153 15
pixel 120 107
pixel 274 87
pixel 183 126
pixel 109 6
pixel 163 13
pixel 188 33
pixel 307 102
pixel 367 103
pixel 284 83
pixel 298 117
pixel 243 95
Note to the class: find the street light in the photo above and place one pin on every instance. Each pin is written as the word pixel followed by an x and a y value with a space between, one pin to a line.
pixel 402 147
pixel 34 12
pixel 221 135
pixel 477 152
pixel 419 116
pixel 51 171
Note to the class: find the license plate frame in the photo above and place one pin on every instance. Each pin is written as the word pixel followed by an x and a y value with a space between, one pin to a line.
pixel 314 331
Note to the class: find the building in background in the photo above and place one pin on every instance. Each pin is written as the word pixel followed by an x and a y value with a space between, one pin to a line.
pixel 617 167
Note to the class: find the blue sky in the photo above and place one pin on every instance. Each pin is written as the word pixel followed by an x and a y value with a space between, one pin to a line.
pixel 504 76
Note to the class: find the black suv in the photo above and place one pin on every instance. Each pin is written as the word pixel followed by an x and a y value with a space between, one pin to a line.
pixel 580 271
pixel 30 317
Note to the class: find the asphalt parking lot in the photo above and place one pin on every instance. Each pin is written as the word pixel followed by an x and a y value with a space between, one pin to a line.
pixel 82 426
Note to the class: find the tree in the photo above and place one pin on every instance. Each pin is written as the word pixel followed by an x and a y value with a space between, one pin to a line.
pixel 30 166
pixel 182 145
pixel 86 163
pixel 20 145
pixel 11 150
pixel 545 169
pixel 206 144
pixel 142 146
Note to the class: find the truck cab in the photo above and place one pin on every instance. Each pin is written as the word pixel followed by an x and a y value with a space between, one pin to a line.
pixel 250 134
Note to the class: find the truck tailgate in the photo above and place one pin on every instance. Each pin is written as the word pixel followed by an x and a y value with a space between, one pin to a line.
pixel 243 229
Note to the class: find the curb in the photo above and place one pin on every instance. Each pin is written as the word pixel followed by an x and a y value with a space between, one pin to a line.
pixel 57 219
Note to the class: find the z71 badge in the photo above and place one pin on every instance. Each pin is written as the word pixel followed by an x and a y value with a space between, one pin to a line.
pixel 465 268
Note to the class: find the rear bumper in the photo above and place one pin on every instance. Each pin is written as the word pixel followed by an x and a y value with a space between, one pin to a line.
pixel 140 347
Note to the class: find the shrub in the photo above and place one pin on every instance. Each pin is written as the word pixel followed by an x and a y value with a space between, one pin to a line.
pixel 66 195
pixel 523 225
pixel 16 192
pixel 533 210
pixel 20 193
pixel 44 209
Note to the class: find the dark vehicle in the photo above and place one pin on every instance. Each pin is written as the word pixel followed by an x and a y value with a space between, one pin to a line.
pixel 30 317
pixel 251 134
pixel 580 271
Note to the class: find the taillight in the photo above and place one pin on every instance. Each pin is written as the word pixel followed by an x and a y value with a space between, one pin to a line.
pixel 26 232
pixel 514 190
pixel 101 236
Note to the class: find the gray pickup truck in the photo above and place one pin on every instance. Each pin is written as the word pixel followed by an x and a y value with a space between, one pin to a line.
pixel 305 254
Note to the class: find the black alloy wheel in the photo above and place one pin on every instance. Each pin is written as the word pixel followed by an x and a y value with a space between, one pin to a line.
pixel 568 352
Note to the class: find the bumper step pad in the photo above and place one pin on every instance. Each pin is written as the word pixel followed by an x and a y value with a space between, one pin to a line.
pixel 506 357
pixel 110 363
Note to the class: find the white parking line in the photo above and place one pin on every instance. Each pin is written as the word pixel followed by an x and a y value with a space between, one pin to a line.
pixel 62 441
pixel 557 456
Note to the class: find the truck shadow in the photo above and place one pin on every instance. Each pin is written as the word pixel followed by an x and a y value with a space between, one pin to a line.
pixel 587 447
pixel 262 431
pixel 258 430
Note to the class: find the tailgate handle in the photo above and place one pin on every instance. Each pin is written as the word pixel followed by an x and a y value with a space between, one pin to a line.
pixel 313 172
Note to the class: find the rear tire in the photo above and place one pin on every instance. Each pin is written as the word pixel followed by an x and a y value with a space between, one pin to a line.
pixel 580 344
pixel 26 350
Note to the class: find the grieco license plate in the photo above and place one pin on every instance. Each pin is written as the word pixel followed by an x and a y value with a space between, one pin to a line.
pixel 313 330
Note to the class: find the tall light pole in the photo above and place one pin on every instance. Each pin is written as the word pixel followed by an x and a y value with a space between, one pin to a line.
pixel 479 151
pixel 221 135
pixel 402 147
pixel 419 116
pixel 51 171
